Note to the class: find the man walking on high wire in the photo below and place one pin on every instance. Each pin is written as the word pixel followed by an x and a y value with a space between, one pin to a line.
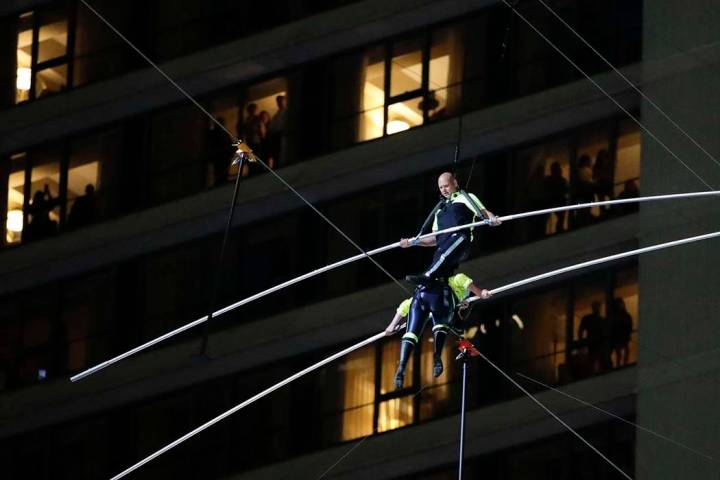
pixel 455 208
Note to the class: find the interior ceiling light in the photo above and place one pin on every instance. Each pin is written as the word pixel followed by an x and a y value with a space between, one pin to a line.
pixel 395 126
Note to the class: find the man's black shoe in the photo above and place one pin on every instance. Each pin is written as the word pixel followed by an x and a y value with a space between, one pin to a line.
pixel 437 366
pixel 399 379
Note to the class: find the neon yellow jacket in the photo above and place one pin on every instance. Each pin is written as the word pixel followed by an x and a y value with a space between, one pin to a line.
pixel 459 284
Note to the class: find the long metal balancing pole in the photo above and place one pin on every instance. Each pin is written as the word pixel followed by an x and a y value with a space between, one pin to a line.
pixel 597 261
pixel 251 400
pixel 360 256
pixel 382 334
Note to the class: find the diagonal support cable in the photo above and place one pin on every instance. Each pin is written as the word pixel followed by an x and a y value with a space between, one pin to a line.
pixel 610 97
pixel 554 415
pixel 617 417
pixel 631 84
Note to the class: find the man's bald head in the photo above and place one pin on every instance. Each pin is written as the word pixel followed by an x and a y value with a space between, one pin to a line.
pixel 447 184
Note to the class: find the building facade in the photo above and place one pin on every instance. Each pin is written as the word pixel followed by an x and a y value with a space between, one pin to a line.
pixel 118 190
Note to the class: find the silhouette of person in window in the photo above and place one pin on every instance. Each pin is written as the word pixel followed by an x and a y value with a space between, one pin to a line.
pixel 40 224
pixel 594 329
pixel 630 190
pixel 603 177
pixel 584 191
pixel 276 129
pixel 537 200
pixel 264 126
pixel 556 187
pixel 621 332
pixel 431 106
pixel 84 210
pixel 253 134
pixel 219 152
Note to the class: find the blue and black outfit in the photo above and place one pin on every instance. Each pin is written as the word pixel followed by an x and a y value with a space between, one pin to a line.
pixel 434 300
pixel 459 208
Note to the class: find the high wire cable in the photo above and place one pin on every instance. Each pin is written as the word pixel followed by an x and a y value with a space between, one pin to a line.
pixel 610 97
pixel 554 415
pixel 376 251
pixel 631 84
pixel 597 261
pixel 382 334
pixel 156 67
pixel 617 417
pixel 249 401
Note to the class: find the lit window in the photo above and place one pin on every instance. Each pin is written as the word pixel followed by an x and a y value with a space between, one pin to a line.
pixel 41 54
pixel 52 37
pixel 359 389
pixel 358 393
pixel 406 67
pixel 373 100
pixel 50 80
pixel 594 171
pixel 82 184
pixel 390 356
pixel 395 413
pixel 627 158
pixel 445 73
pixel 541 347
pixel 435 395
pixel 422 83
pixel 624 318
pixel 261 122
pixel 544 181
pixel 403 115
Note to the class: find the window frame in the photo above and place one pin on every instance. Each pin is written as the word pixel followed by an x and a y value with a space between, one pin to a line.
pixel 65 59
